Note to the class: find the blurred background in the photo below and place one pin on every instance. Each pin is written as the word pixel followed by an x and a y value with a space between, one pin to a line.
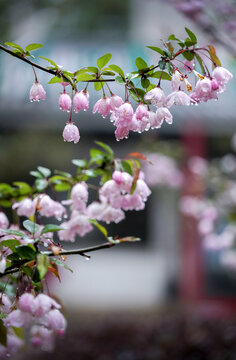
pixel 162 296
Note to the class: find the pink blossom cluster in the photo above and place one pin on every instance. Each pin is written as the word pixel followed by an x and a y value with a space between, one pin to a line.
pixel 122 114
pixel 116 196
pixel 43 204
pixel 40 315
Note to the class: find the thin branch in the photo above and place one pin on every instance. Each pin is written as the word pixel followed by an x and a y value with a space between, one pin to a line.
pixel 50 71
pixel 81 252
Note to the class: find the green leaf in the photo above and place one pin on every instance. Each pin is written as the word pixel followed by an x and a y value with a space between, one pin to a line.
pixel 15 46
pixel 44 171
pixel 32 47
pixel 36 174
pixel 162 64
pixel 41 184
pixel 3 334
pixel 51 228
pixel 11 243
pixel 61 263
pixel 199 59
pixel 5 203
pixel 92 172
pixel 98 85
pixel 137 94
pixel 108 73
pixel 62 186
pixel 57 79
pixel 145 83
pixel 84 77
pixel 188 43
pixel 119 79
pixel 164 76
pixel 13 232
pixel 191 35
pixel 50 61
pixel 188 55
pixel 42 265
pixel 26 252
pixel 140 63
pixel 173 37
pixel 54 179
pixel 101 228
pixel 117 69
pixel 31 226
pixel 63 173
pixel 79 162
pixel 157 49
pixel 127 166
pixel 106 147
pixel 24 188
pixel 103 60
pixel 92 69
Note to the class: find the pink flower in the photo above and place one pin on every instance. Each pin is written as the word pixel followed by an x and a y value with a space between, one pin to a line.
pixel 25 207
pixel 178 98
pixel 25 302
pixel 105 212
pixel 79 196
pixel 81 101
pixel 115 102
pixel 204 90
pixel 65 102
pixel 142 189
pixel 155 121
pixel 54 320
pixel 48 207
pixel 4 223
pixel 124 114
pixel 78 224
pixel 156 96
pixel 176 80
pixel 221 75
pixel 43 337
pixel 37 92
pixel 141 112
pixel 42 304
pixel 5 303
pixel 102 106
pixel 122 132
pixel 164 114
pixel 71 133
pixel 17 318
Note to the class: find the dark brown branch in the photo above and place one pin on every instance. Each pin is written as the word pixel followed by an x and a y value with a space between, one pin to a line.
pixel 106 245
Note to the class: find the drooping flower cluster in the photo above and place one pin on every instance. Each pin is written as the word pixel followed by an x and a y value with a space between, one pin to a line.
pixel 40 316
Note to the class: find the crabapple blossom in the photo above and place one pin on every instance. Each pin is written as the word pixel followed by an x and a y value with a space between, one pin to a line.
pixel 102 106
pixel 42 337
pixel 156 96
pixel 55 321
pixel 17 318
pixel 65 101
pixel 25 207
pixel 221 75
pixel 37 92
pixel 4 222
pixel 124 114
pixel 25 302
pixel 115 102
pixel 48 207
pixel 179 98
pixel 176 80
pixel 141 112
pixel 105 212
pixel 77 224
pixel 162 114
pixel 5 303
pixel 81 101
pixel 42 304
pixel 79 196
pixel 71 133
